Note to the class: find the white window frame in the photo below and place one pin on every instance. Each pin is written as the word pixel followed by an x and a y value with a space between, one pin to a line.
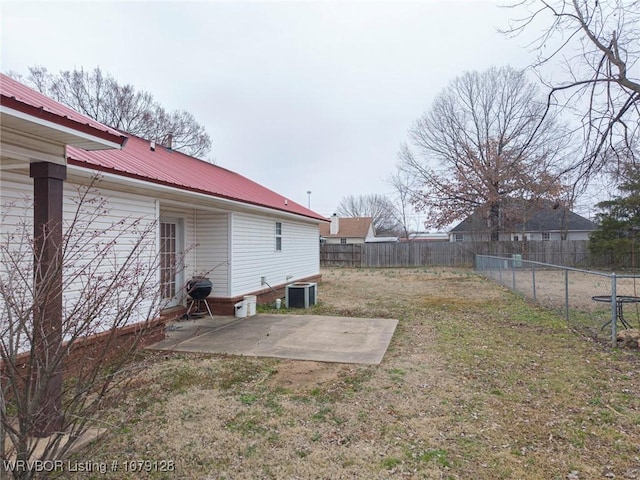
pixel 278 236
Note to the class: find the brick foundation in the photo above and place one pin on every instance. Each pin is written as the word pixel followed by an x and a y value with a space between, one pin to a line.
pixel 92 347
pixel 226 306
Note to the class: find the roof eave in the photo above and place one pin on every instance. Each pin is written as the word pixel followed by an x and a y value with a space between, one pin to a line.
pixel 82 135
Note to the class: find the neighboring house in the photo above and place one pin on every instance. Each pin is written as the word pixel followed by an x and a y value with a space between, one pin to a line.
pixel 351 230
pixel 246 238
pixel 427 237
pixel 549 222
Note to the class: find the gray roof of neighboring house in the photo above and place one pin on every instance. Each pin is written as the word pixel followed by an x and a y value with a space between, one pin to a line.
pixel 546 219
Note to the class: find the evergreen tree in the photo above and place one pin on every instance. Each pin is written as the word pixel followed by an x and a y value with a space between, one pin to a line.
pixel 619 222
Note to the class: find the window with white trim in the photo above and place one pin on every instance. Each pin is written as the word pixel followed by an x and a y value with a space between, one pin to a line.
pixel 278 236
pixel 458 237
pixel 546 236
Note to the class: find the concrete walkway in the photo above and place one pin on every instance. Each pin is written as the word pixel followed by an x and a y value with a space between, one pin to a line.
pixel 299 337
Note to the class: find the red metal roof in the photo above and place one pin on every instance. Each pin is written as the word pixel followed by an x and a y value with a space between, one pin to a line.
pixel 19 97
pixel 136 160
pixel 172 168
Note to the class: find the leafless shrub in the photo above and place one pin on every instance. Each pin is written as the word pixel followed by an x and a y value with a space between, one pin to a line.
pixel 63 374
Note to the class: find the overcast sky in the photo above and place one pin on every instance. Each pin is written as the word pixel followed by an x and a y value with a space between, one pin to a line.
pixel 298 96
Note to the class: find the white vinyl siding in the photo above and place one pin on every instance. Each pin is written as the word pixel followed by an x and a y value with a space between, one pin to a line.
pixel 254 256
pixel 127 219
pixel 213 250
pixel 16 201
pixel 206 246
pixel 123 216
pixel 233 249
pixel 16 215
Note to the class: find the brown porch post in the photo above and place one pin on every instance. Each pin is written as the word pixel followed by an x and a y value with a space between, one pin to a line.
pixel 48 182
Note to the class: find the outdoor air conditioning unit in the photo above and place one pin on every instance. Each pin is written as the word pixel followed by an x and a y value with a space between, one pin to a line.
pixel 301 295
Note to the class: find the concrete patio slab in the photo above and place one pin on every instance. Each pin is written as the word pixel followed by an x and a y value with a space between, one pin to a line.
pixel 298 337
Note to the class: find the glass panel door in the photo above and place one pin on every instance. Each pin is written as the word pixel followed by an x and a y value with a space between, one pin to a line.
pixel 170 271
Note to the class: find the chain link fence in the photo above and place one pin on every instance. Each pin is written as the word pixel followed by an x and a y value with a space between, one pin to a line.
pixel 595 303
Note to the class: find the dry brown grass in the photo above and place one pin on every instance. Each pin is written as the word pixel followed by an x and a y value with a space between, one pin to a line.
pixel 550 287
pixel 476 384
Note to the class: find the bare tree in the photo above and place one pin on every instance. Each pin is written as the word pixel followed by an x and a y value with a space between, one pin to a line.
pixel 596 44
pixel 379 207
pixel 485 139
pixel 405 185
pixel 110 276
pixel 99 96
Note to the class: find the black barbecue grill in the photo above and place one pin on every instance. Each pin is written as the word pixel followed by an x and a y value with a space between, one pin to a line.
pixel 199 288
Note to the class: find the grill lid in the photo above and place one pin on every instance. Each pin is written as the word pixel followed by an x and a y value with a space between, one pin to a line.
pixel 199 288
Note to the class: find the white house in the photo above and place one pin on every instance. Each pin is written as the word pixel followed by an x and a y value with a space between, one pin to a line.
pixel 246 238
pixel 177 217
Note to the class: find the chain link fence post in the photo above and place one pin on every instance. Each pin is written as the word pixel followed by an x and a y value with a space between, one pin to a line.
pixel 614 312
pixel 533 280
pixel 566 294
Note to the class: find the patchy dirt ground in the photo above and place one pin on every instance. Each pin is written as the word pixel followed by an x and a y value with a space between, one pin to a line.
pixel 476 384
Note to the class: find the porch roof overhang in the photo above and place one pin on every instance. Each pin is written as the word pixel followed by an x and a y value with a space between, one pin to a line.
pixel 31 113
pixel 29 121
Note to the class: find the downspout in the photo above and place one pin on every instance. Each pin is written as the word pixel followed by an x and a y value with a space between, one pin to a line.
pixel 230 254
pixel 196 266
pixel 157 208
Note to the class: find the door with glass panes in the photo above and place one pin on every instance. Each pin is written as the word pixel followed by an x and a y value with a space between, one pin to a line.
pixel 171 272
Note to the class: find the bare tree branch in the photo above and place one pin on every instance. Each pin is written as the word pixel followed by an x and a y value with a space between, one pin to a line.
pixel 99 96
pixel 596 44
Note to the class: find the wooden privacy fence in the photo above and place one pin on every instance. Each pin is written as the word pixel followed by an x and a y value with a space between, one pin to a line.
pixel 574 253
pixel 349 255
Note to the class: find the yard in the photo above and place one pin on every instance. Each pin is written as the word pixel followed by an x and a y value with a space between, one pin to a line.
pixel 476 384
